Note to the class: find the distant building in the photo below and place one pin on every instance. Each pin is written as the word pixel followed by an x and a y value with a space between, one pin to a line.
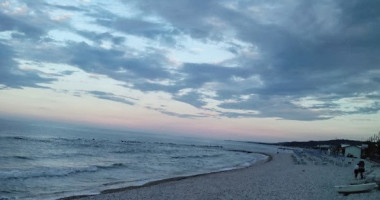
pixel 324 147
pixel 352 151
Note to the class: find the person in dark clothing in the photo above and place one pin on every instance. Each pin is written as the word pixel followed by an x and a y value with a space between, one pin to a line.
pixel 359 169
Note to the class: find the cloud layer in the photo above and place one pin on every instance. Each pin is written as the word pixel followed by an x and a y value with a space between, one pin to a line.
pixel 291 60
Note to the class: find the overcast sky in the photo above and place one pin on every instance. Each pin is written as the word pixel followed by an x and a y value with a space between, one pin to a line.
pixel 238 69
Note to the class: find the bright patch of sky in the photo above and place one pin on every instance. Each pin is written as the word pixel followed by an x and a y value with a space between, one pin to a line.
pixel 6 35
pixel 352 104
pixel 65 36
pixel 200 52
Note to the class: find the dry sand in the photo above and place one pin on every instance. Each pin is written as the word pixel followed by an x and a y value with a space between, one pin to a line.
pixel 280 178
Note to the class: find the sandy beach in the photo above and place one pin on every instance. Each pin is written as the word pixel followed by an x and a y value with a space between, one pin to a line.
pixel 282 176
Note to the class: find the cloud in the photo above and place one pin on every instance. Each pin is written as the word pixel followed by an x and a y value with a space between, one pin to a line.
pixel 12 76
pixel 67 72
pixel 115 63
pixel 99 37
pixel 284 51
pixel 192 98
pixel 294 63
pixel 110 97
pixel 137 27
pixel 175 114
pixel 371 109
pixel 189 17
pixel 9 23
pixel 66 7
pixel 320 49
pixel 30 20
pixel 274 107
pixel 197 75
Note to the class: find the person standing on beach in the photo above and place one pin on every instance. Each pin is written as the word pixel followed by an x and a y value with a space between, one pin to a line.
pixel 359 168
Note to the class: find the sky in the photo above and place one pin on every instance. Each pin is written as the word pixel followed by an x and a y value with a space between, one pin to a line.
pixel 229 69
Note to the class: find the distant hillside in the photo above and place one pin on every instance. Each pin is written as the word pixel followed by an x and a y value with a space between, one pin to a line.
pixel 309 144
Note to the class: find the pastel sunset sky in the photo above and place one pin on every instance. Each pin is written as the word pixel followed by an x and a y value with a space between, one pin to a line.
pixel 228 69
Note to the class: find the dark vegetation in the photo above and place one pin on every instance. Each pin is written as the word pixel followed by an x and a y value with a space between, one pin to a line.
pixel 313 144
pixel 374 147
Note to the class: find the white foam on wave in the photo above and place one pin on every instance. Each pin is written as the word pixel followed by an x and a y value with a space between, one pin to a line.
pixel 43 172
pixel 51 172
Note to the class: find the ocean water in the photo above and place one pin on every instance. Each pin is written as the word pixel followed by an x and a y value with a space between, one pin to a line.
pixel 49 161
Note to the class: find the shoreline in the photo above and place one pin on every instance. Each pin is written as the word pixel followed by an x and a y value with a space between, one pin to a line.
pixel 278 176
pixel 269 157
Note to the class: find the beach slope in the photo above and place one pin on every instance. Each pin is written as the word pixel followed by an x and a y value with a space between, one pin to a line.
pixel 279 178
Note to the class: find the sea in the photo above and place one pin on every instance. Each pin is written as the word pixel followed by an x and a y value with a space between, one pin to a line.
pixel 40 160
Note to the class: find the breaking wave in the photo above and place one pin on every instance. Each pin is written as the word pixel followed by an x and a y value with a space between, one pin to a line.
pixel 54 172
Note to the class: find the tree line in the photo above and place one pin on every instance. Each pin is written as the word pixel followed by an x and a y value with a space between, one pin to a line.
pixel 373 150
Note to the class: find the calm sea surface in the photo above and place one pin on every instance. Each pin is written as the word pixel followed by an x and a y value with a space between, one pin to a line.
pixel 48 161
